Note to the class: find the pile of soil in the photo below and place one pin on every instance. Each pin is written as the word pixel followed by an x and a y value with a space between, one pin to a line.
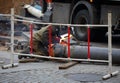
pixel 6 5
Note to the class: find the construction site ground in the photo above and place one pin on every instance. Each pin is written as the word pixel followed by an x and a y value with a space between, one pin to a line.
pixel 49 72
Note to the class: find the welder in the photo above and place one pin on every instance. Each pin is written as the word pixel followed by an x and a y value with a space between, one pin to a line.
pixel 41 40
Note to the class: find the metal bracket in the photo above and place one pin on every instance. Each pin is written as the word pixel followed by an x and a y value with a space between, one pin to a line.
pixel 110 75
pixel 9 66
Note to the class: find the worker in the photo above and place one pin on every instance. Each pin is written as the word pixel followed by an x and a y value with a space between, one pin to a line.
pixel 41 40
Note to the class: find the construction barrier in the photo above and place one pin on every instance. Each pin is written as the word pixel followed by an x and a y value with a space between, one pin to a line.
pixel 33 21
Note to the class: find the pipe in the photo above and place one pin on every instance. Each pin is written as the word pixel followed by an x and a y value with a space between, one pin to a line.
pixel 81 52
pixel 32 10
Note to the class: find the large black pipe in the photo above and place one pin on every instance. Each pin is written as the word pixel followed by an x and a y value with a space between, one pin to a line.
pixel 81 52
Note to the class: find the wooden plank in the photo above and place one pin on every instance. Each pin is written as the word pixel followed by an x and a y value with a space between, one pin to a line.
pixel 68 65
pixel 28 60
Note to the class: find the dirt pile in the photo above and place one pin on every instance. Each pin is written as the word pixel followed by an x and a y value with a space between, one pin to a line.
pixel 5 5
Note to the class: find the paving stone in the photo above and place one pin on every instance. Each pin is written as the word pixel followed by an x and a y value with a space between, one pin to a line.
pixel 48 72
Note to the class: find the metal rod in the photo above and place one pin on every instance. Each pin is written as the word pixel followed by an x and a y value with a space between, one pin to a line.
pixel 48 57
pixel 31 38
pixel 110 42
pixel 68 42
pixel 5 15
pixel 12 35
pixel 90 25
pixel 88 30
pixel 50 40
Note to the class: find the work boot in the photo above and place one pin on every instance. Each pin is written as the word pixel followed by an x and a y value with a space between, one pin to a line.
pixel 26 51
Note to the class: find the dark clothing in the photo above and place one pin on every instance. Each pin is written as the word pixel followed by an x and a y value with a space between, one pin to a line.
pixel 39 48
pixel 41 40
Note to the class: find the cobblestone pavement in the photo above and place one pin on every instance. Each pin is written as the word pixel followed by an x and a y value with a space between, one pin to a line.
pixel 48 72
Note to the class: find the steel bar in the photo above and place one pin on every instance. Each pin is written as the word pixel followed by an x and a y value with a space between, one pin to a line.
pixel 5 15
pixel 12 35
pixel 88 30
pixel 31 38
pixel 50 40
pixel 68 42
pixel 58 58
pixel 90 25
pixel 110 42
